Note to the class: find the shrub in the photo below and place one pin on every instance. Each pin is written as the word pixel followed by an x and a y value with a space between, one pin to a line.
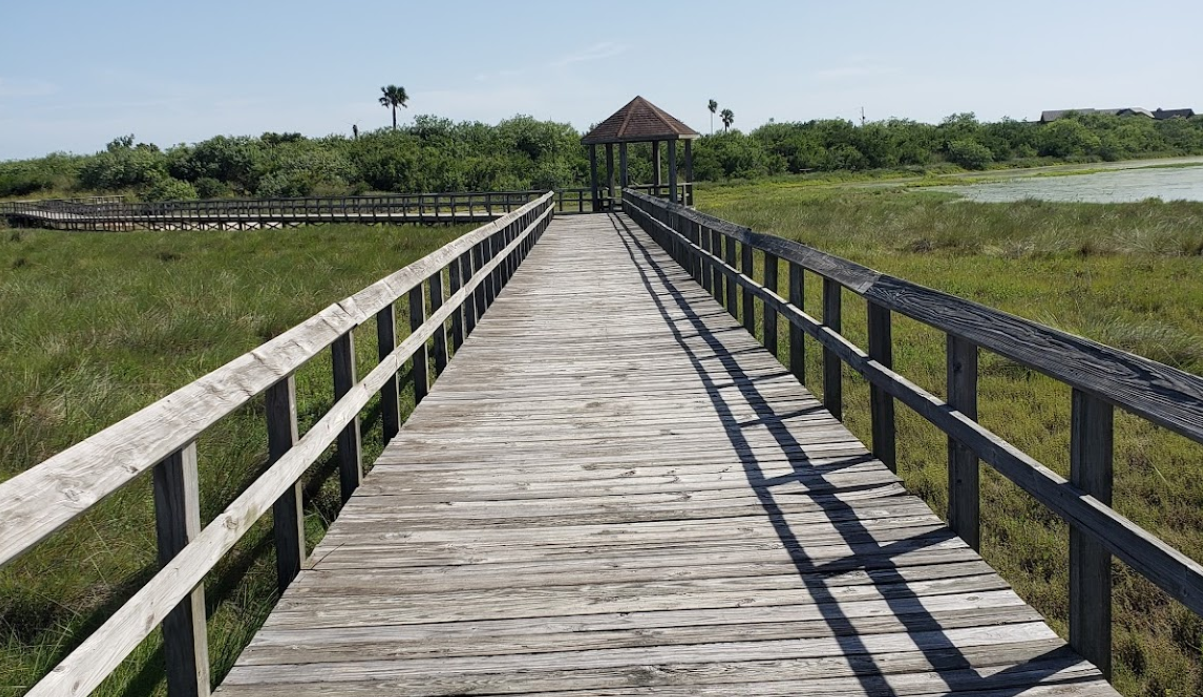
pixel 969 154
pixel 170 189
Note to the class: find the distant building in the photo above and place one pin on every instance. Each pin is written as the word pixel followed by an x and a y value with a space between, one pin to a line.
pixel 1163 114
pixel 1054 115
pixel 1160 114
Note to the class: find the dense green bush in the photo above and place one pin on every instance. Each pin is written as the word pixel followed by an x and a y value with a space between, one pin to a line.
pixel 437 154
pixel 969 154
pixel 170 189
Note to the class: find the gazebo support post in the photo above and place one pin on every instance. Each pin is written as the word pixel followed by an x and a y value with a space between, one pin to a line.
pixel 625 178
pixel 672 171
pixel 689 172
pixel 593 177
pixel 657 177
pixel 610 174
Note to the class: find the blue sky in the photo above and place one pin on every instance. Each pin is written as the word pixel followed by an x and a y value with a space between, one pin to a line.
pixel 76 74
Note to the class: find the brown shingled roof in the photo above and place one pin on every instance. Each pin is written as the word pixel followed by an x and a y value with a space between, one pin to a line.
pixel 637 122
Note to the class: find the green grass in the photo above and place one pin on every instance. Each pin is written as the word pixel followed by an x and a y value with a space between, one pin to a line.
pixel 1128 275
pixel 99 325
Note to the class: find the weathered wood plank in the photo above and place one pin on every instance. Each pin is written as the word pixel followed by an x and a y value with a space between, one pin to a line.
pixel 1091 444
pixel 637 497
pixel 177 523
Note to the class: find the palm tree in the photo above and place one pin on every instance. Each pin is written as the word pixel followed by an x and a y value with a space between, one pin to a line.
pixel 713 107
pixel 392 98
pixel 728 118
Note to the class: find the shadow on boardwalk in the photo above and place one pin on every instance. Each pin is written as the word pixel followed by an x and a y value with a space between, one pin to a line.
pixel 875 559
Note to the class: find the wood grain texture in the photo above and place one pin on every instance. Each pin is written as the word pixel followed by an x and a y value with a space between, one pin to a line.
pixel 1091 445
pixel 177 523
pixel 614 488
pixel 964 472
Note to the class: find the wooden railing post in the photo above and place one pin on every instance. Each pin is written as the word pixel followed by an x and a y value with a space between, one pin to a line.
pixel 350 458
pixel 386 341
pixel 833 385
pixel 771 267
pixel 963 468
pixel 288 516
pixel 881 404
pixel 177 522
pixel 1090 469
pixel 417 316
pixel 479 304
pixel 454 276
pixel 747 266
pixel 706 269
pixel 797 349
pixel 732 286
pixel 716 248
pixel 440 334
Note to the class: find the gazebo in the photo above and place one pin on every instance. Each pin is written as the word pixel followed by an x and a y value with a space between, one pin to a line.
pixel 639 121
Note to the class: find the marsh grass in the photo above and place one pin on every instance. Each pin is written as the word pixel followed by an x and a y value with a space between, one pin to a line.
pixel 1127 275
pixel 99 325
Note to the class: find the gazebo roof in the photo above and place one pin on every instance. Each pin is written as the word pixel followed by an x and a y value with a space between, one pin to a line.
pixel 639 121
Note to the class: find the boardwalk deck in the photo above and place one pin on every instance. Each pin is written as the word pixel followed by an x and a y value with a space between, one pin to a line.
pixel 614 489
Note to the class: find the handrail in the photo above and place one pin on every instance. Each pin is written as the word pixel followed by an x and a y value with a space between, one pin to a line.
pixel 162 437
pixel 1099 375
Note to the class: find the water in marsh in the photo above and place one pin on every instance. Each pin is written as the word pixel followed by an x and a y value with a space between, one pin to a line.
pixel 1121 186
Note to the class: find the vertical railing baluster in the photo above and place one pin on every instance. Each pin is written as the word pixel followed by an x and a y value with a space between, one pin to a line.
pixel 417 316
pixel 350 455
pixel 716 248
pixel 440 334
pixel 454 276
pixel 964 502
pixel 797 349
pixel 732 286
pixel 288 516
pixel 386 342
pixel 833 385
pixel 479 304
pixel 747 266
pixel 706 269
pixel 881 404
pixel 177 523
pixel 1092 436
pixel 771 267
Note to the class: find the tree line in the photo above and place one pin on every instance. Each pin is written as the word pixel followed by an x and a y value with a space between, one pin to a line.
pixel 437 154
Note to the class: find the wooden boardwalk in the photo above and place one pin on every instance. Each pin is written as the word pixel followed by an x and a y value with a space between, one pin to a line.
pixel 614 490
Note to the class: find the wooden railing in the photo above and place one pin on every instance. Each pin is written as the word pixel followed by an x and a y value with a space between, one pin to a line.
pixel 162 438
pixel 401 208
pixel 721 257
pixel 580 199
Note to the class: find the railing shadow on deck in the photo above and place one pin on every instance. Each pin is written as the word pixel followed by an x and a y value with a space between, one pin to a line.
pixel 453 285
pixel 1100 377
pixel 875 559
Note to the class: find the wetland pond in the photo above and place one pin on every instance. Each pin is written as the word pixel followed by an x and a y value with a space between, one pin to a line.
pixel 1183 183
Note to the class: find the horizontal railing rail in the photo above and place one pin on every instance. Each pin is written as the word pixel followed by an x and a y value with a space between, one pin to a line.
pixel 162 438
pixel 1100 377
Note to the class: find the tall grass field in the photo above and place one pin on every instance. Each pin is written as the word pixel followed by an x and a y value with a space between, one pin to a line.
pixel 99 325
pixel 1126 275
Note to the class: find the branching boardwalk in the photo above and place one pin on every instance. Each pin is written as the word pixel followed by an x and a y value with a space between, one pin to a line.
pixel 613 489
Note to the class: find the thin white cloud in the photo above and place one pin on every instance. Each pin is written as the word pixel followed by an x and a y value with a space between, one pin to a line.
pixel 596 52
